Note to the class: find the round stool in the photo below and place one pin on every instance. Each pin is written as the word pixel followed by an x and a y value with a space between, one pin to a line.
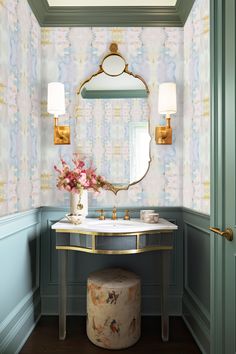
pixel 113 308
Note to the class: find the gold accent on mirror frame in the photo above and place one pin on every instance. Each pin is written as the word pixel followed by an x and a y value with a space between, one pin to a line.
pixel 114 51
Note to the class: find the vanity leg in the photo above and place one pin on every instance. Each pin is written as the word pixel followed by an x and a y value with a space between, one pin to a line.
pixel 164 295
pixel 62 293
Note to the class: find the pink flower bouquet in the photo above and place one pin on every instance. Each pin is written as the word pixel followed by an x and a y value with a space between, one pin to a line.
pixel 78 178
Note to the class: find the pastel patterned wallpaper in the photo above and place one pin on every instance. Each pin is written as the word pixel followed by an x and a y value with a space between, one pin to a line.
pixel 31 57
pixel 70 55
pixel 106 133
pixel 20 55
pixel 196 121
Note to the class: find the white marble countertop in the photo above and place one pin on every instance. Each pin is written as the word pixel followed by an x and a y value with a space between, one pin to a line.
pixel 108 226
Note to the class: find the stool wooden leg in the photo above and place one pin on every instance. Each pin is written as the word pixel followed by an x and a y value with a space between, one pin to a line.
pixel 164 295
pixel 62 293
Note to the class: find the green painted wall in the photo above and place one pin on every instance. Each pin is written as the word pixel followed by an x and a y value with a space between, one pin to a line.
pixel 196 290
pixel 19 277
pixel 25 296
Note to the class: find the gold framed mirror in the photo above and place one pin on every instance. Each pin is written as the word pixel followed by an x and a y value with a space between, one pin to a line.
pixel 114 124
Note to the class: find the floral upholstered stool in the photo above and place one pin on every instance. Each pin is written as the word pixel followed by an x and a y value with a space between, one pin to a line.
pixel 113 308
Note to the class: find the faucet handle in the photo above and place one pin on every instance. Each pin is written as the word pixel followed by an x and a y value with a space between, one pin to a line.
pixel 101 216
pixel 126 216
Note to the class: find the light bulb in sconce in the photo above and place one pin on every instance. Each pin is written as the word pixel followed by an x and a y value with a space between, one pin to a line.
pixel 56 106
pixel 166 105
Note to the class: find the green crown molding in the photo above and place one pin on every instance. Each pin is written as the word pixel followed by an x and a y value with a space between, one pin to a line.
pixel 183 8
pixel 109 16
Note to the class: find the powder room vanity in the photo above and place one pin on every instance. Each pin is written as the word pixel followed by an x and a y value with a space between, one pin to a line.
pixel 122 154
pixel 113 237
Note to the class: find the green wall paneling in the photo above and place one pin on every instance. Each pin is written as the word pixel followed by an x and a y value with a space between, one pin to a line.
pixel 20 233
pixel 19 277
pixel 196 296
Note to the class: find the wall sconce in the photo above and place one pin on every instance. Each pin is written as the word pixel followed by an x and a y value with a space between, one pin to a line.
pixel 56 106
pixel 166 105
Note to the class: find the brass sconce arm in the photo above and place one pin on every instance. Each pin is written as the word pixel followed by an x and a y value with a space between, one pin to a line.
pixel 163 134
pixel 166 105
pixel 61 133
pixel 56 106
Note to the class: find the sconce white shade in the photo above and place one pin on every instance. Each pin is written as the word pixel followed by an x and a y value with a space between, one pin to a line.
pixel 56 98
pixel 167 98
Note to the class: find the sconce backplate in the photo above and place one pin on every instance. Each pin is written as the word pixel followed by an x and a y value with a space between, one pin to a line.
pixel 163 135
pixel 62 135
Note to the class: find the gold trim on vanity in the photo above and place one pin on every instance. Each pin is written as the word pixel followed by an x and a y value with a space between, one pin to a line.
pixel 138 241
pixel 133 251
pixel 110 251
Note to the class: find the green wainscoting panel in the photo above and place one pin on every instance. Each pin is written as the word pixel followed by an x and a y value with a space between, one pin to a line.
pixel 19 278
pixel 147 265
pixel 196 296
pixel 110 16
pixel 25 297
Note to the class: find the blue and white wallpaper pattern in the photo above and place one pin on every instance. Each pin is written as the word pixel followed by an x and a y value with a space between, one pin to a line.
pixel 71 55
pixel 105 135
pixel 20 96
pixel 31 57
pixel 196 119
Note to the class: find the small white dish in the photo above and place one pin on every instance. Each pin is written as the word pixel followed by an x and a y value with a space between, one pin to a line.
pixel 75 219
pixel 152 218
pixel 145 212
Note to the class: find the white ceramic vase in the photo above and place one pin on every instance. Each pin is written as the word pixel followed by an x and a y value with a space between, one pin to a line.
pixel 79 204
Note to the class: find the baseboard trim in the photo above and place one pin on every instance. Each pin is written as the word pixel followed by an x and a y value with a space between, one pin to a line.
pixel 194 336
pixel 28 334
pixel 20 323
pixel 199 328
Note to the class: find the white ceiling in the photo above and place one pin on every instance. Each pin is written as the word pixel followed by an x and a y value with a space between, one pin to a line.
pixel 112 2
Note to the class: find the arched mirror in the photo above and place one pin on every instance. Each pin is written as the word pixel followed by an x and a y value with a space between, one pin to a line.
pixel 113 127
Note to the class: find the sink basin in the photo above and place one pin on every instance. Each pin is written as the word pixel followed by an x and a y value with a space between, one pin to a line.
pixel 115 223
pixel 117 226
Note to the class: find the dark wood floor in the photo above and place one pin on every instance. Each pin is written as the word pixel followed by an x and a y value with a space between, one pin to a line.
pixel 44 338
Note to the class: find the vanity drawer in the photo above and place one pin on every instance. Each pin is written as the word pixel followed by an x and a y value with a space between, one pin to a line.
pixel 116 243
pixel 155 240
pixel 74 240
